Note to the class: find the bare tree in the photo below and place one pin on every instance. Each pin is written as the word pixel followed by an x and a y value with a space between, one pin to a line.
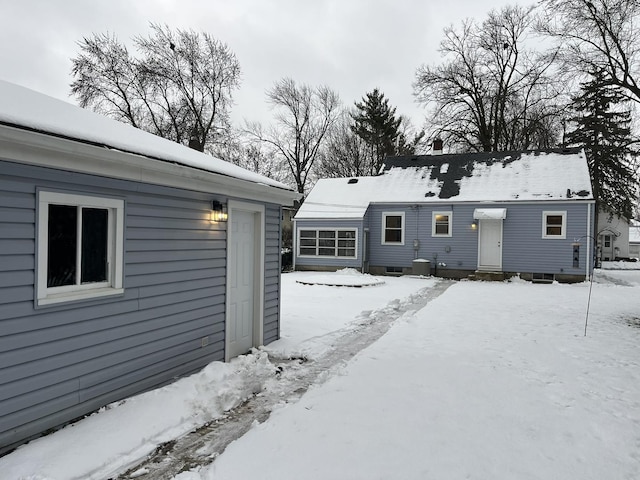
pixel 179 86
pixel 303 115
pixel 597 36
pixel 247 152
pixel 491 92
pixel 344 154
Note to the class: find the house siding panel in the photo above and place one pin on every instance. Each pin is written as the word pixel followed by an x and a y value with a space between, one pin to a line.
pixel 271 329
pixel 524 249
pixel 62 361
pixel 331 262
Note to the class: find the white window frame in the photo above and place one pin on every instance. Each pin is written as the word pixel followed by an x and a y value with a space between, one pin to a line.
pixel 549 213
pixel 449 215
pixel 336 246
pixel 115 247
pixel 384 227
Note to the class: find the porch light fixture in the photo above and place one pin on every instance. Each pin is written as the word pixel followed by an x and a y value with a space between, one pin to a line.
pixel 474 224
pixel 218 211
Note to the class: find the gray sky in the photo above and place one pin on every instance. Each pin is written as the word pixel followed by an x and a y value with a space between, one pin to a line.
pixel 352 46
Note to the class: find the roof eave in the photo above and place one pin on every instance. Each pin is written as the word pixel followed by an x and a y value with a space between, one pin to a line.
pixel 41 149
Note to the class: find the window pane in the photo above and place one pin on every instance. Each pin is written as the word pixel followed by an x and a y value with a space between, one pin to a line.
pixel 394 221
pixel 327 234
pixel 393 236
pixel 347 234
pixel 554 231
pixel 307 234
pixel 307 251
pixel 346 252
pixel 95 234
pixel 554 219
pixel 327 242
pixel 62 238
pixel 346 243
pixel 307 242
pixel 442 229
pixel 329 252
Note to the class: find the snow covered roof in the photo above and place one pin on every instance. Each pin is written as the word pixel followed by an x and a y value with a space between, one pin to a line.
pixel 483 177
pixel 30 110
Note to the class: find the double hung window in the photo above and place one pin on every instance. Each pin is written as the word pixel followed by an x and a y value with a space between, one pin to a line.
pixel 554 224
pixel 393 228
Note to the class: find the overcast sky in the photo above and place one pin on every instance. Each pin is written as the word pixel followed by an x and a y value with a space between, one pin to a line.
pixel 351 46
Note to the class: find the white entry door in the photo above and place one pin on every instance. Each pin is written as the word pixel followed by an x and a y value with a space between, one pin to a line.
pixel 241 274
pixel 490 245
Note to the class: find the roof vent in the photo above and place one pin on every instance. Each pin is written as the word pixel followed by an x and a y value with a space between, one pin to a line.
pixel 352 180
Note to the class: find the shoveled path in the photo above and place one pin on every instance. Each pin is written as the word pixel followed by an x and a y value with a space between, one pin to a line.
pixel 202 446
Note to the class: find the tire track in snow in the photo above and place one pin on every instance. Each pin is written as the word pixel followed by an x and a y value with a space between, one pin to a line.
pixel 202 446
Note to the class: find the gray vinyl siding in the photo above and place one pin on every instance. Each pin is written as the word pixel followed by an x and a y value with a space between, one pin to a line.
pixel 62 361
pixel 524 249
pixel 272 270
pixel 330 261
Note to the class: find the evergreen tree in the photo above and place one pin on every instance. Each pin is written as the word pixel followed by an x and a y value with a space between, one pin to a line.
pixel 377 125
pixel 603 129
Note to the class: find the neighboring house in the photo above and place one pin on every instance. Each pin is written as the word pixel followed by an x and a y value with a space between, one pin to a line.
pixel 612 237
pixel 126 260
pixel 634 240
pixel 527 213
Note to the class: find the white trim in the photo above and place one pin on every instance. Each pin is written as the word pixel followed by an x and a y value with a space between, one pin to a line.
pixel 48 151
pixel 547 213
pixel 259 260
pixel 336 247
pixel 449 215
pixel 115 247
pixel 384 228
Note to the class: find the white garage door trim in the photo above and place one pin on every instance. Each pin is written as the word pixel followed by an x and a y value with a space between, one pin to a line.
pixel 259 259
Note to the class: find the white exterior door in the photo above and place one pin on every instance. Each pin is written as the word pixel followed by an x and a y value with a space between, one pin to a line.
pixel 490 245
pixel 242 273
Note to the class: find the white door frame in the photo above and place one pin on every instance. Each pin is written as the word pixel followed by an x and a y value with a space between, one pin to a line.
pixel 258 286
pixel 497 222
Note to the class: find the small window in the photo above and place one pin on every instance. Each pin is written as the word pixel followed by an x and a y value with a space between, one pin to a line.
pixel 554 224
pixel 393 228
pixel 80 245
pixel 441 224
pixel 327 243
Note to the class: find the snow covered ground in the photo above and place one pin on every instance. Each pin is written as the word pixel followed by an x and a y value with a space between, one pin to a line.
pixel 489 380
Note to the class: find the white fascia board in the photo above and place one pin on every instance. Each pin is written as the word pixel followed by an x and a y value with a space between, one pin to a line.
pixel 33 148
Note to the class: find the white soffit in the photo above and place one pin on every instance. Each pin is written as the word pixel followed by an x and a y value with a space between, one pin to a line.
pixel 490 214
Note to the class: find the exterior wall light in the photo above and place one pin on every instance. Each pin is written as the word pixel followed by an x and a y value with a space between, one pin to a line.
pixel 474 224
pixel 218 211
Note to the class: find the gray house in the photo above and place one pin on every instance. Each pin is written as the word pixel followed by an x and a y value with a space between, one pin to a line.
pixel 125 260
pixel 485 214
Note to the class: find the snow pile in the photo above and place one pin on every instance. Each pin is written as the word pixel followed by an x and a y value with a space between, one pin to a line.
pixel 123 433
pixel 347 277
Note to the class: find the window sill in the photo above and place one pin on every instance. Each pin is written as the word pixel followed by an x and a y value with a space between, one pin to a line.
pixel 56 298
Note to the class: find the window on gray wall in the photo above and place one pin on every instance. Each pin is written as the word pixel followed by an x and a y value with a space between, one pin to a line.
pixel 393 228
pixel 80 247
pixel 327 243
